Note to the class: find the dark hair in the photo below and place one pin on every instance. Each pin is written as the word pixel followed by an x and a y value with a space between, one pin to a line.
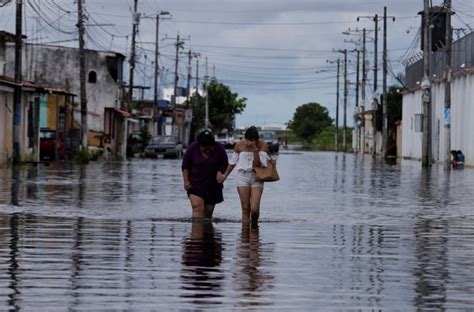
pixel 251 134
pixel 205 138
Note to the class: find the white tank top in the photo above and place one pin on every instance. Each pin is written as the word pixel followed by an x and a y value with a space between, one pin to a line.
pixel 244 160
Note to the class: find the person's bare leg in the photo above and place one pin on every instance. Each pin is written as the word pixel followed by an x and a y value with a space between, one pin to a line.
pixel 197 203
pixel 255 197
pixel 208 210
pixel 244 194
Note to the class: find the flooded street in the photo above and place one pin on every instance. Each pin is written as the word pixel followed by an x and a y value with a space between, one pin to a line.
pixel 337 232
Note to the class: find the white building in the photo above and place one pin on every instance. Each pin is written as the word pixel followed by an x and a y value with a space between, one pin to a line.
pixel 462 105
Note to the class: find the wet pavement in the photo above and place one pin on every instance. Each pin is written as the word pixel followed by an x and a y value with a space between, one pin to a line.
pixel 338 232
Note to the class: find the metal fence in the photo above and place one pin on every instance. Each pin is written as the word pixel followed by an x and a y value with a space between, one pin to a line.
pixel 462 57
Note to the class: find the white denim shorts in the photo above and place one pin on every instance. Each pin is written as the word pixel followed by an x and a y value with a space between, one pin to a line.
pixel 247 179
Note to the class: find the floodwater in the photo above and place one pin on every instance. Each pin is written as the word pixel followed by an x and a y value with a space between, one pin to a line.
pixel 338 232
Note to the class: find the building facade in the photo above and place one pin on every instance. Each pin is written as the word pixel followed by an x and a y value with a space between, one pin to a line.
pixel 58 67
pixel 460 115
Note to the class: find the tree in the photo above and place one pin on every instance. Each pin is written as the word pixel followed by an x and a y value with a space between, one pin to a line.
pixel 309 120
pixel 223 106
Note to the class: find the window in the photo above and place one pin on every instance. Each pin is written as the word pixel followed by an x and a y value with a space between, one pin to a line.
pixel 418 122
pixel 92 77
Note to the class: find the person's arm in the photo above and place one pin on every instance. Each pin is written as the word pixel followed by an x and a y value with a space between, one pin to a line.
pixel 187 183
pixel 223 164
pixel 232 163
pixel 185 167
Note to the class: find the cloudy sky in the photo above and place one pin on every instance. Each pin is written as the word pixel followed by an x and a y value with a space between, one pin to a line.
pixel 273 52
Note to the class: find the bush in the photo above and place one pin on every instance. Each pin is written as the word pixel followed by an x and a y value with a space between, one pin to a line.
pixel 82 156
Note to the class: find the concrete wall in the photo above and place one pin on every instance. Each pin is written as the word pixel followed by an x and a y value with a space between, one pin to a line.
pixel 55 66
pixel 462 115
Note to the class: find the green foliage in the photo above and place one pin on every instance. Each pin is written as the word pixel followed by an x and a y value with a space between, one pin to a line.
pixel 309 120
pixel 325 140
pixel 223 106
pixel 289 136
pixel 82 156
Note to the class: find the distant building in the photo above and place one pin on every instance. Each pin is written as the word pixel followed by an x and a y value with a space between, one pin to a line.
pixel 274 127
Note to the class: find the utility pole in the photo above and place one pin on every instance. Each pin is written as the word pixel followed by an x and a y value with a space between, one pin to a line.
pixel 344 126
pixel 357 98
pixel 189 78
pixel 197 75
pixel 385 90
pixel 362 106
pixel 336 134
pixel 426 87
pixel 376 100
pixel 385 95
pixel 17 92
pixel 190 56
pixel 82 75
pixel 157 54
pixel 206 118
pixel 178 44
pixel 337 105
pixel 447 85
pixel 375 96
pixel 136 21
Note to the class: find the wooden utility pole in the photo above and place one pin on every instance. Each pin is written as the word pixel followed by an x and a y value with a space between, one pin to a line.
pixel 136 21
pixel 17 92
pixel 82 76
pixel 447 85
pixel 362 106
pixel 426 87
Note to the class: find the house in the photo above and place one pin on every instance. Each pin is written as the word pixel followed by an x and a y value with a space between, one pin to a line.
pixel 33 115
pixel 57 67
pixel 461 114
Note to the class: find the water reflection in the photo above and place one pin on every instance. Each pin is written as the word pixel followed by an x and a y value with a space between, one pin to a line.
pixel 201 275
pixel 252 276
pixel 13 262
pixel 339 233
pixel 431 249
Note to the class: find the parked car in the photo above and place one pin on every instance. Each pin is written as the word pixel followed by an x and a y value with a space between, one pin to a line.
pixel 272 140
pixel 225 139
pixel 164 145
pixel 48 138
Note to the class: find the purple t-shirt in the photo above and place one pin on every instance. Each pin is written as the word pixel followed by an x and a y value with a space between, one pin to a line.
pixel 203 171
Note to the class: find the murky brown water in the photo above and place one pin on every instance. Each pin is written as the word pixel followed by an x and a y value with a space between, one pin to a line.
pixel 337 233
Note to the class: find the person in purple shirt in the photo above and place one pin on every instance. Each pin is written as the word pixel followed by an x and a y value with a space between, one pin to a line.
pixel 204 163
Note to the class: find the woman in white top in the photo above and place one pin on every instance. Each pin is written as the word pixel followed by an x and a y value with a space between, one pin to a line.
pixel 248 153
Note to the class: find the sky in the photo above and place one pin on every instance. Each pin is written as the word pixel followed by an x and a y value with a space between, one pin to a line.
pixel 279 54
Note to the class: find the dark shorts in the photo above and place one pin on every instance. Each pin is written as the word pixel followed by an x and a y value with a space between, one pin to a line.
pixel 210 196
